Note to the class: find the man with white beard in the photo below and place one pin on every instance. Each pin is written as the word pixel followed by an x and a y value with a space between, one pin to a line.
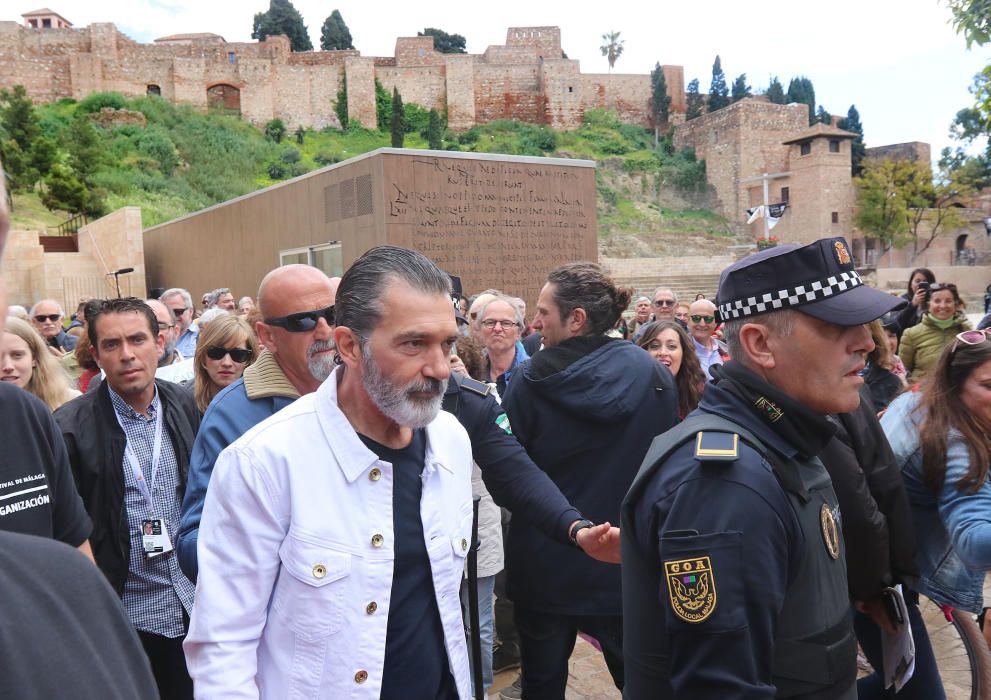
pixel 335 533
pixel 297 304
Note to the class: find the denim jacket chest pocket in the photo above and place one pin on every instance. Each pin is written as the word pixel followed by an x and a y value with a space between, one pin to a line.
pixel 312 587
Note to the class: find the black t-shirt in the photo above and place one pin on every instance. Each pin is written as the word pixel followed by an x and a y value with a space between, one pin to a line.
pixel 37 493
pixel 64 631
pixel 415 652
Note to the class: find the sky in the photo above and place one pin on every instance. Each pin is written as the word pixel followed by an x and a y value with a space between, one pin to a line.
pixel 899 61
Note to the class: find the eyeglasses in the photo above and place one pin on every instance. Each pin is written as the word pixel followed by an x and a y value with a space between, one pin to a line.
pixel 699 319
pixel 974 337
pixel 304 321
pixel 663 302
pixel 41 318
pixel 239 355
pixel 942 287
pixel 491 323
pixel 165 326
pixel 180 312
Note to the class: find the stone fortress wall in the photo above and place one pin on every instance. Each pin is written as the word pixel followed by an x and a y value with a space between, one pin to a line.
pixel 527 78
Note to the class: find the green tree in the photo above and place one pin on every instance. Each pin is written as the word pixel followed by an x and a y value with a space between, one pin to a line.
pixel 660 100
pixel 275 130
pixel 740 88
pixel 612 48
pixel 65 190
pixel 282 18
pixel 86 147
pixel 775 92
pixel 823 117
pixel 335 35
pixel 899 203
pixel 800 90
pixel 18 118
pixel 383 107
pixel 972 18
pixel 444 42
pixel 44 152
pixel 435 131
pixel 398 120
pixel 718 92
pixel 695 103
pixel 341 103
pixel 857 149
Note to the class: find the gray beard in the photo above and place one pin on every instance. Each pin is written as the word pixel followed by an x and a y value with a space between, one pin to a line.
pixel 320 366
pixel 395 402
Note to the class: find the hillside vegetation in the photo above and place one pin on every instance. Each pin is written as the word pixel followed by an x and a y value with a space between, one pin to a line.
pixel 181 160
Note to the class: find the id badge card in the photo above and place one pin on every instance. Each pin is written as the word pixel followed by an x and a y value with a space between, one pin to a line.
pixel 155 537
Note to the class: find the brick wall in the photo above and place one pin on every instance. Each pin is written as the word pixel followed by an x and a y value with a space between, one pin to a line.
pixel 547 40
pixel 913 150
pixel 460 90
pixel 361 90
pixel 423 85
pixel 626 95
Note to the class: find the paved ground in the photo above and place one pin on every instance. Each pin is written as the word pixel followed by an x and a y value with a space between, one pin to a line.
pixel 589 678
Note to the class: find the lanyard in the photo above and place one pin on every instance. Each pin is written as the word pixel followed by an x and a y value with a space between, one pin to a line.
pixel 156 454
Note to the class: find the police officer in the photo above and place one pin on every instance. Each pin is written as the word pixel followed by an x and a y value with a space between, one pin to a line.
pixel 512 478
pixel 734 581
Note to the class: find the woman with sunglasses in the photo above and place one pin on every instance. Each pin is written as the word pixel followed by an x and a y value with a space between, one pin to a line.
pixel 669 343
pixel 225 347
pixel 922 344
pixel 940 438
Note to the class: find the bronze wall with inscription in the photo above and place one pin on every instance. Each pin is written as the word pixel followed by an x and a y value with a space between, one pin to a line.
pixel 495 221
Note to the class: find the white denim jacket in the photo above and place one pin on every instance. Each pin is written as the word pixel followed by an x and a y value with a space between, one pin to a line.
pixel 296 557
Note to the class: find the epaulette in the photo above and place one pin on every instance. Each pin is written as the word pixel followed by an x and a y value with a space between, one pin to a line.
pixel 475 386
pixel 712 446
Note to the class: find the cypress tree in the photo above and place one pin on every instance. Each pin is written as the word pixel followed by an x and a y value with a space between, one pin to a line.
pixel 335 35
pixel 718 92
pixel 398 120
pixel 660 100
pixel 775 92
pixel 740 88
pixel 857 149
pixel 695 103
pixel 435 131
pixel 282 18
pixel 800 90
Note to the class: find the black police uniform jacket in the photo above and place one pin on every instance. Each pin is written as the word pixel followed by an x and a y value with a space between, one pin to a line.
pixel 734 580
pixel 95 442
pixel 586 411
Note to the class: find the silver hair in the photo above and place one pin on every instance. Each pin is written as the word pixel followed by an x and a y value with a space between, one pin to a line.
pixel 215 296
pixel 674 294
pixel 514 303
pixel 780 322
pixel 211 314
pixel 47 301
pixel 187 300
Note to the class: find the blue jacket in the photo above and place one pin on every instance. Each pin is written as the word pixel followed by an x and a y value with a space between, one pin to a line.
pixel 260 393
pixel 585 410
pixel 952 527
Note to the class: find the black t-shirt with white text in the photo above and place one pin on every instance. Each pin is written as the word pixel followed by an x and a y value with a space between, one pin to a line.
pixel 37 493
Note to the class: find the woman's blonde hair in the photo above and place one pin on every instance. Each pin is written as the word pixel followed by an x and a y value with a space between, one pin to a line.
pixel 48 382
pixel 225 331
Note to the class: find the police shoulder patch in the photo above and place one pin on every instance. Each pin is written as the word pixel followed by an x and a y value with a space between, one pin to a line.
pixel 691 588
pixel 713 446
pixel 475 386
pixel 502 420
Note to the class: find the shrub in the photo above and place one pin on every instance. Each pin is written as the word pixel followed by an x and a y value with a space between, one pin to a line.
pixel 275 130
pixel 98 100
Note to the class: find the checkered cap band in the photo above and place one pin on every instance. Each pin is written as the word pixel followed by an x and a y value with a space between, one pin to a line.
pixel 786 298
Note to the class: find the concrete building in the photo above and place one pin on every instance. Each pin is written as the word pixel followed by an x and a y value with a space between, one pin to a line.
pixel 494 221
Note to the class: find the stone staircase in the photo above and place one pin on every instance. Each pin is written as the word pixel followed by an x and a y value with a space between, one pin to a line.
pixel 687 275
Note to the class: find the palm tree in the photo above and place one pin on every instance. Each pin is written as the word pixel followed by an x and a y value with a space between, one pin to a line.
pixel 612 48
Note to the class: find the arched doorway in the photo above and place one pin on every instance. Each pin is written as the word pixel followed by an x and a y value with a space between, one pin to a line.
pixel 153 89
pixel 223 96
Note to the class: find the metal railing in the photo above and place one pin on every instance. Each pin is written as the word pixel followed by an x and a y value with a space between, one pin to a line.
pixel 70 226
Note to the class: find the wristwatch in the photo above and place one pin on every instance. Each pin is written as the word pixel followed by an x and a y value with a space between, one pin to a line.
pixel 580 525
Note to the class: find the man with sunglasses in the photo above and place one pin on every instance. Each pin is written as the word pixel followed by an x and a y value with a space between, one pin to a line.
pixel 46 316
pixel 187 330
pixel 701 326
pixel 297 305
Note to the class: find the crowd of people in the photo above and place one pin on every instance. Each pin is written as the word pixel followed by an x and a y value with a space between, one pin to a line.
pixel 277 492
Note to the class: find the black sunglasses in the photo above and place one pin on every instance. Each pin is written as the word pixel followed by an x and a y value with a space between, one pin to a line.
pixel 180 312
pixel 239 355
pixel 49 317
pixel 304 321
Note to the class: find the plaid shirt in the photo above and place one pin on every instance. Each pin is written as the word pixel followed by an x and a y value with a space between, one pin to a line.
pixel 156 592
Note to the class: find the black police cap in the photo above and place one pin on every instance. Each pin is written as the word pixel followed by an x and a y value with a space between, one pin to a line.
pixel 817 279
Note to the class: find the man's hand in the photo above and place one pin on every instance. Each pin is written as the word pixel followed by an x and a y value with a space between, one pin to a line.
pixel 601 542
pixel 875 609
pixel 59 353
